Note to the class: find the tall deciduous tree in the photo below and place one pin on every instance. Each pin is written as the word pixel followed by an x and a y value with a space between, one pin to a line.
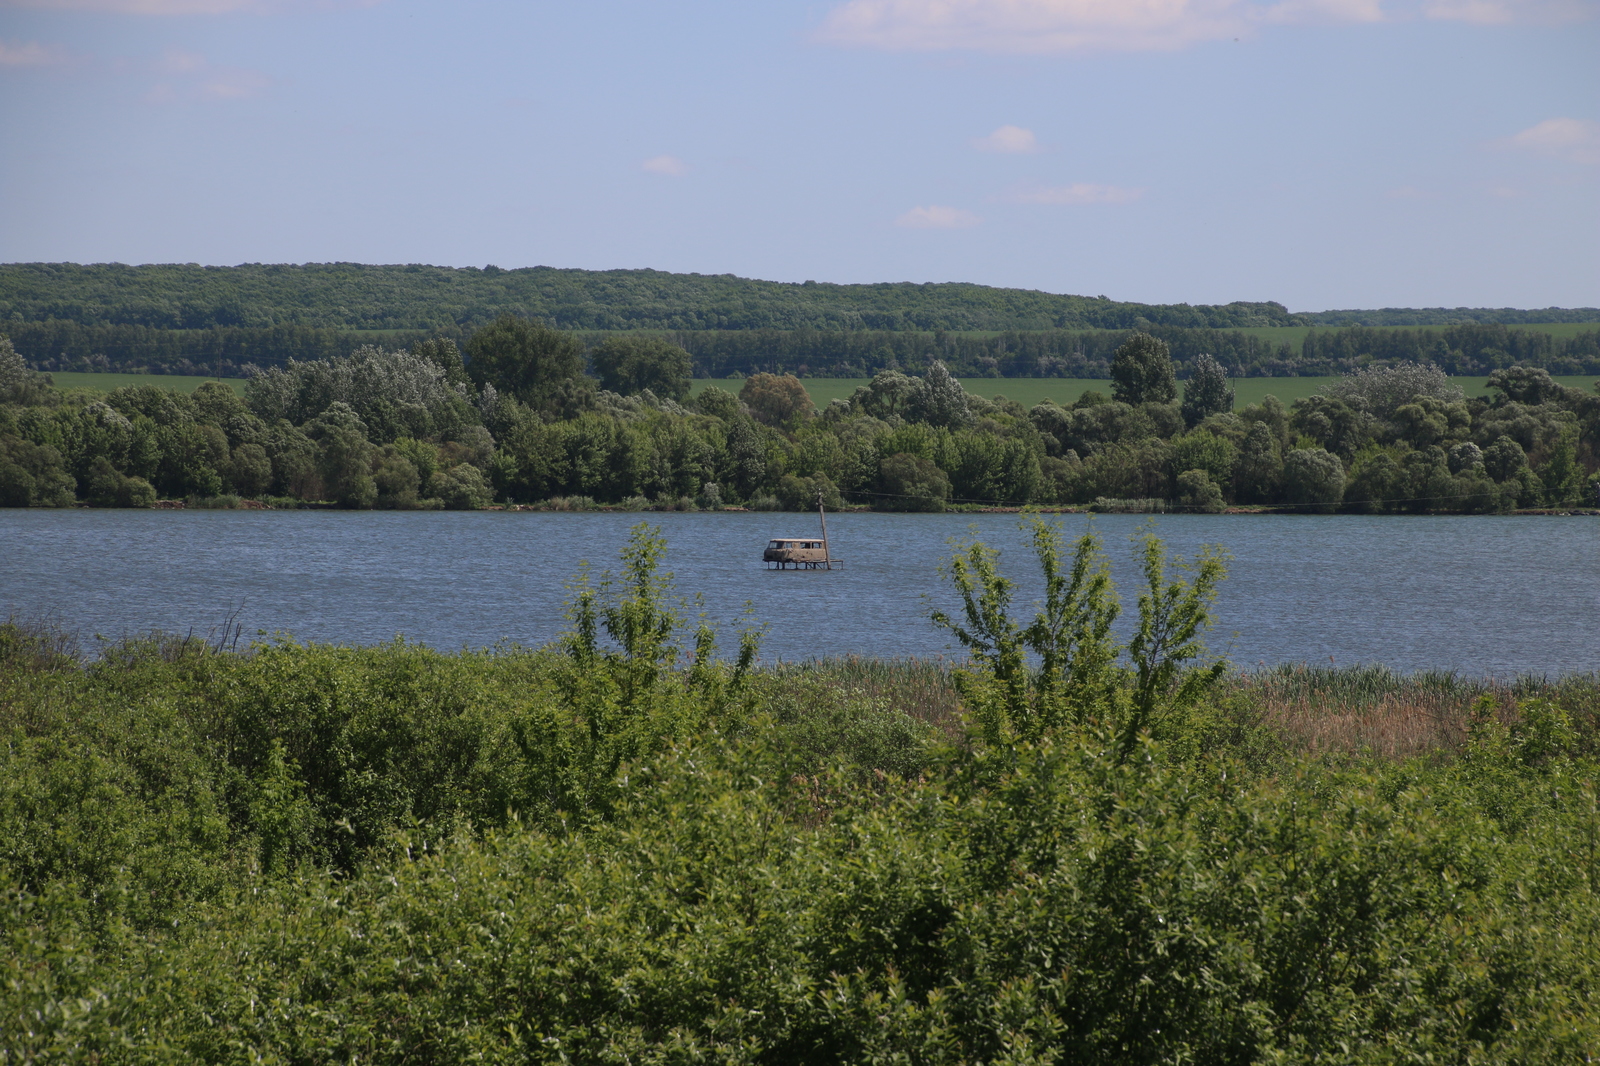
pixel 1141 371
pixel 939 399
pixel 525 358
pixel 1207 391
pixel 633 364
pixel 12 369
pixel 776 400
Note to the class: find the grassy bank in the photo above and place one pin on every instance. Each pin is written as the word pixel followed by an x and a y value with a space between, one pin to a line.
pixel 106 382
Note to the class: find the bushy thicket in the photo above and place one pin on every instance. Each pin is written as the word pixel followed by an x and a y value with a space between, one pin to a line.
pixel 517 420
pixel 1468 349
pixel 603 852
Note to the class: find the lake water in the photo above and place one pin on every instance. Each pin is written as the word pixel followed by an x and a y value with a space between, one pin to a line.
pixel 1489 595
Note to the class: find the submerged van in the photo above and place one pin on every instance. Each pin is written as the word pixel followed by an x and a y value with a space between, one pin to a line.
pixel 800 553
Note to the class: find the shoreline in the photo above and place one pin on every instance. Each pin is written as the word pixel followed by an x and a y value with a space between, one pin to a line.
pixel 318 505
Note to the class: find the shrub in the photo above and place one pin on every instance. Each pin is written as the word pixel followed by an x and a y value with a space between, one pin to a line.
pixel 1197 492
pixel 1313 479
pixel 911 483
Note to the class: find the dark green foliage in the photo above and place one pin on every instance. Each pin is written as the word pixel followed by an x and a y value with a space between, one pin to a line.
pixel 443 353
pixel 718 403
pixel 352 295
pixel 1524 384
pixel 1259 467
pixel 460 488
pixel 1332 425
pixel 1197 492
pixel 804 493
pixel 1313 479
pixel 13 370
pixel 527 359
pixel 326 431
pixel 33 475
pixel 628 365
pixel 1207 391
pixel 345 456
pixel 911 483
pixel 107 488
pixel 1141 371
pixel 1204 450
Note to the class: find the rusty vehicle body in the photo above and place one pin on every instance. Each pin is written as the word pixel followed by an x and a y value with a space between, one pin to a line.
pixel 802 553
pixel 798 553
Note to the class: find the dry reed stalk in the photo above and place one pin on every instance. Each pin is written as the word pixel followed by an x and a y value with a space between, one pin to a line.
pixel 1412 720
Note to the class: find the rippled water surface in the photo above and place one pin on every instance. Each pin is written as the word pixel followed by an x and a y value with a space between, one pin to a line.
pixel 1496 595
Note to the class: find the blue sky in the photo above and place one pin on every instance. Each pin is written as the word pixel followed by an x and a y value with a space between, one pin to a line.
pixel 1324 153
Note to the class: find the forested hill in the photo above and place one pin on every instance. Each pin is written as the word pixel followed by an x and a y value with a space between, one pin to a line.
pixel 355 296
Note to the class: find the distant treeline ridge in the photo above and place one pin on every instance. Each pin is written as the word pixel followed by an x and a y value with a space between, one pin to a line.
pixel 61 345
pixel 420 297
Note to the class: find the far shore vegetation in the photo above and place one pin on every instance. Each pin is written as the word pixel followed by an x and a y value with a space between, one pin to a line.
pixel 528 415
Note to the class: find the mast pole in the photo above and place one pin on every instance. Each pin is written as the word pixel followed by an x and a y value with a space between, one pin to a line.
pixel 827 557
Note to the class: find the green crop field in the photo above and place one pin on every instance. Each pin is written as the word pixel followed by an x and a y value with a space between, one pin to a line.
pixel 1029 391
pixel 1026 391
pixel 107 382
pixel 1294 336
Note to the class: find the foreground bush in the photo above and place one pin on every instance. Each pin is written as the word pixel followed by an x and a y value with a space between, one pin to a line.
pixel 1052 906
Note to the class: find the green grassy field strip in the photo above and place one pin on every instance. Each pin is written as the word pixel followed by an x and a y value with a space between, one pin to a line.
pixel 107 382
pixel 1295 336
pixel 1029 391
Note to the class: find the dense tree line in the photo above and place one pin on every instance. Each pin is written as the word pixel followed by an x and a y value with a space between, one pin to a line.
pixel 1461 349
pixel 1450 316
pixel 218 351
pixel 58 345
pixel 355 296
pixel 1467 350
pixel 516 418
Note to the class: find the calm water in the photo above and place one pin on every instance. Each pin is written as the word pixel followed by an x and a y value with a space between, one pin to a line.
pixel 1477 595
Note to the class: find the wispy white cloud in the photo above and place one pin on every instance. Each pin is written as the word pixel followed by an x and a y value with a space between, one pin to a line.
pixel 937 217
pixel 189 76
pixel 1081 192
pixel 1575 139
pixel 1052 26
pixel 30 54
pixel 1501 12
pixel 1036 25
pixel 183 7
pixel 1008 139
pixel 669 165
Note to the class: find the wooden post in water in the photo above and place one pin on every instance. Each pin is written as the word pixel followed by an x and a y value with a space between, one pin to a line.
pixel 827 556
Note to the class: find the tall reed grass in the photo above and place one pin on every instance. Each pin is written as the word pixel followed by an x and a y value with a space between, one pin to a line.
pixel 1328 709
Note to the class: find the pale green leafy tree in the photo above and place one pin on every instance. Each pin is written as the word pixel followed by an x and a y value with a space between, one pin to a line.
pixel 1078 681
